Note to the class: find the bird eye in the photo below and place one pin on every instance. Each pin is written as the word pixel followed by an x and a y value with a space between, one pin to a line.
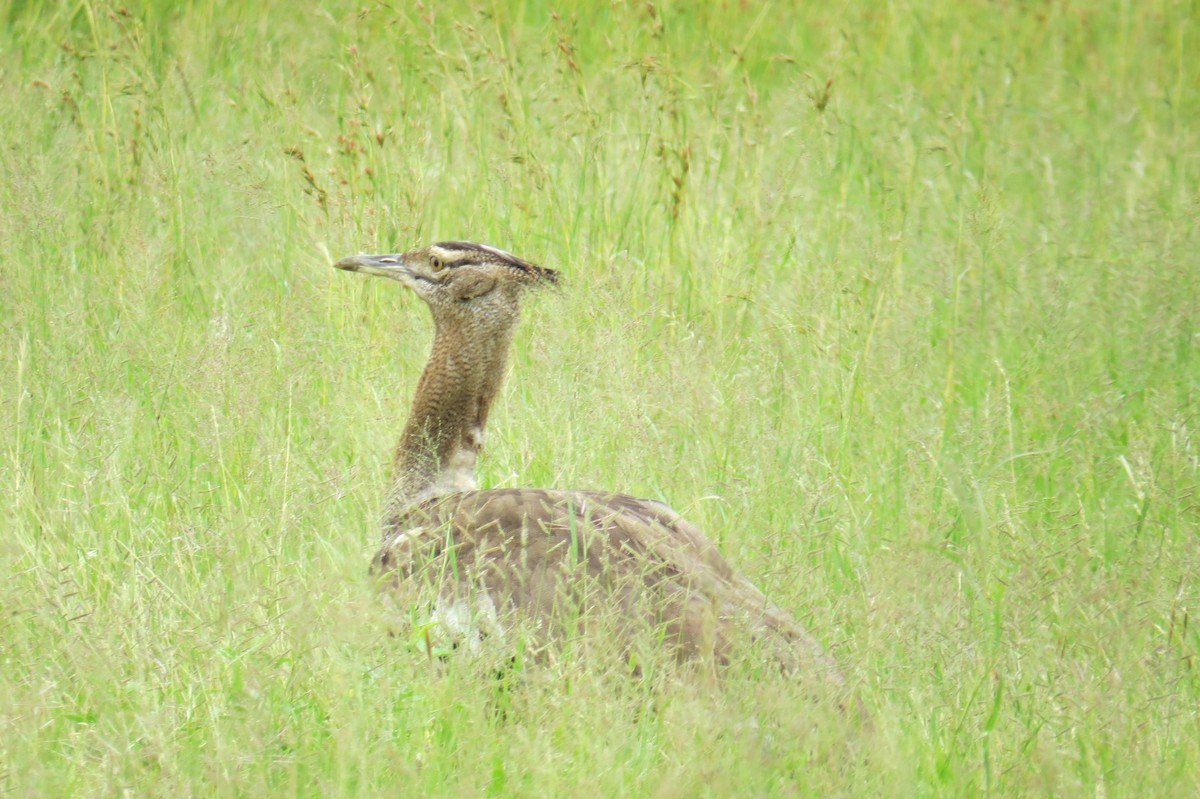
pixel 436 263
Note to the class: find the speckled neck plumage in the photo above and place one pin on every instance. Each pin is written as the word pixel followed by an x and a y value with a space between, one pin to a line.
pixel 445 429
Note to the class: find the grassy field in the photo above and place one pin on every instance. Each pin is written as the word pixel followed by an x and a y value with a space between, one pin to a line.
pixel 899 301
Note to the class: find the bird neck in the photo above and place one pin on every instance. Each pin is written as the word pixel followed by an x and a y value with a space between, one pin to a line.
pixel 437 450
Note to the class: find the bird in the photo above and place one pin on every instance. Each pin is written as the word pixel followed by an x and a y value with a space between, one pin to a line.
pixel 554 560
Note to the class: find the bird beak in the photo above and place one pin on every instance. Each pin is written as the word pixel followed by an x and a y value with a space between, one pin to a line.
pixel 392 266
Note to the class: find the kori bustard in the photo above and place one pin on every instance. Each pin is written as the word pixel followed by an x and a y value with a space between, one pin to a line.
pixel 554 559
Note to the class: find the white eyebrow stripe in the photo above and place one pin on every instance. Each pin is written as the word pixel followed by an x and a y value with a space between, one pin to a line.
pixel 498 251
pixel 458 252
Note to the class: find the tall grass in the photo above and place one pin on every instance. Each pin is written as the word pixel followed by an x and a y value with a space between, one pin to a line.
pixel 897 300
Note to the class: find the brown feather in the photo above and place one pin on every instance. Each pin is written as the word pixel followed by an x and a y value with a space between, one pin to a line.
pixel 524 548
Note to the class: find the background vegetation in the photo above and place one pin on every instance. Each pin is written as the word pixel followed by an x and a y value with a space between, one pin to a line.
pixel 898 300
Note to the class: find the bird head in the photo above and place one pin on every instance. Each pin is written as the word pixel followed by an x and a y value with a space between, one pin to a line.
pixel 454 277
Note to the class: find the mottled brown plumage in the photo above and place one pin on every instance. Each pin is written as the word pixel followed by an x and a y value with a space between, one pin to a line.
pixel 554 559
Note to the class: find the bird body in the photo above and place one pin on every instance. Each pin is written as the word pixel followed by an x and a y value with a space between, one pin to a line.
pixel 557 560
pixel 566 558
